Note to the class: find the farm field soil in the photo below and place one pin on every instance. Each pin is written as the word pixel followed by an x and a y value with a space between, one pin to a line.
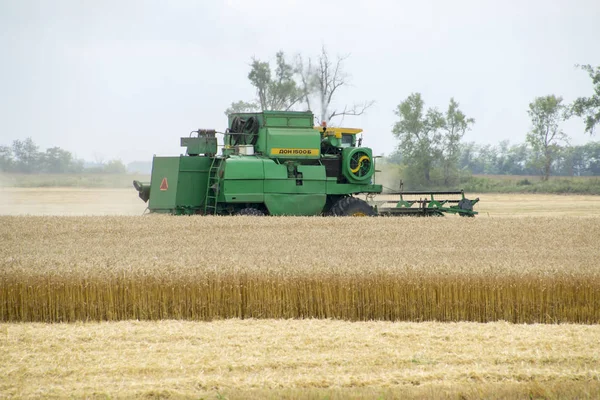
pixel 70 201
pixel 542 205
pixel 299 359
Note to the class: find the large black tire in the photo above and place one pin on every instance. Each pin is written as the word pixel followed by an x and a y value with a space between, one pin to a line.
pixel 254 212
pixel 352 207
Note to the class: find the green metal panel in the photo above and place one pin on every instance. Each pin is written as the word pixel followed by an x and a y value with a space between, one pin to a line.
pixel 239 191
pixel 313 172
pixel 293 185
pixel 313 179
pixel 244 167
pixel 279 119
pixel 200 145
pixel 243 180
pixel 285 134
pixel 193 178
pixel 261 143
pixel 298 204
pixel 276 178
pixel 274 170
pixel 293 143
pixel 165 171
pixel 288 119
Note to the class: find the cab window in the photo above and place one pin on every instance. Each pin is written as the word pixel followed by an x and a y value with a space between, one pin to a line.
pixel 347 140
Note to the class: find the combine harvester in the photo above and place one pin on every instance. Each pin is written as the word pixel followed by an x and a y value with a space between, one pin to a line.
pixel 278 163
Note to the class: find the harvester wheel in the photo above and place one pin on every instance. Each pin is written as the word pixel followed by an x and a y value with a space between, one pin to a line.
pixel 254 212
pixel 352 207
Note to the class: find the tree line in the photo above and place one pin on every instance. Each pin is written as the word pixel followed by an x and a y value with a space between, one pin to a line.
pixel 430 142
pixel 430 147
pixel 522 159
pixel 518 159
pixel 24 156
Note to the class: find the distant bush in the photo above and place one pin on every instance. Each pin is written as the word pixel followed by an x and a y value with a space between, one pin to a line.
pixel 515 184
pixel 81 180
pixel 24 157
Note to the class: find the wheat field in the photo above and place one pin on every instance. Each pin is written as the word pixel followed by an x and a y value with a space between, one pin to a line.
pixel 238 307
pixel 63 269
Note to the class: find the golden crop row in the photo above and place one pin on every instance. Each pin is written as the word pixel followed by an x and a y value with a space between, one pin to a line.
pixel 203 268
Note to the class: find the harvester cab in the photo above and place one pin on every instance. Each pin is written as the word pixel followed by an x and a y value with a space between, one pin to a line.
pixel 341 143
pixel 271 163
pixel 336 138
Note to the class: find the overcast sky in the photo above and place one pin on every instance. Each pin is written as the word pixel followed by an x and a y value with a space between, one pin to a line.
pixel 125 79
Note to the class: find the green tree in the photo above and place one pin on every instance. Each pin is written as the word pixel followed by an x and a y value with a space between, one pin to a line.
pixel 589 107
pixel 242 107
pixel 56 160
pixel 275 90
pixel 454 127
pixel 27 156
pixel 516 160
pixel 430 139
pixel 469 159
pixel 115 167
pixel 545 137
pixel 6 159
pixel 418 132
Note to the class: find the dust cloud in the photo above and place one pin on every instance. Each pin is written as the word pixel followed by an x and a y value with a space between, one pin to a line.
pixel 388 175
pixel 69 201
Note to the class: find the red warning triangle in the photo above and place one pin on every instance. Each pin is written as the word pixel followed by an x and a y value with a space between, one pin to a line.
pixel 164 185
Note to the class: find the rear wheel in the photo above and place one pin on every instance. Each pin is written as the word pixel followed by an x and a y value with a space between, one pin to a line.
pixel 352 207
pixel 255 212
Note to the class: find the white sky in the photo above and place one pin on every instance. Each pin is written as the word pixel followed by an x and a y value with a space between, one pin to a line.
pixel 125 79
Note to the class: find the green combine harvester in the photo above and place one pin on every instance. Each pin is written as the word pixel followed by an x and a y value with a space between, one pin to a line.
pixel 278 163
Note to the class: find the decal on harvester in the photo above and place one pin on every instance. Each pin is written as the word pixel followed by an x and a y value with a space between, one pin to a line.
pixel 294 152
pixel 164 185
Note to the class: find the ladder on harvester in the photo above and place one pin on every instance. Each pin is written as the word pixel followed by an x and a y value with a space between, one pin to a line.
pixel 212 188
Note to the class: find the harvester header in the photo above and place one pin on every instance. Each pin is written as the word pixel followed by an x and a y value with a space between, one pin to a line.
pixel 277 163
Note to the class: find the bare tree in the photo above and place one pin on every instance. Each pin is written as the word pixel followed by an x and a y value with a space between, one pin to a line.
pixel 307 81
pixel 324 81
